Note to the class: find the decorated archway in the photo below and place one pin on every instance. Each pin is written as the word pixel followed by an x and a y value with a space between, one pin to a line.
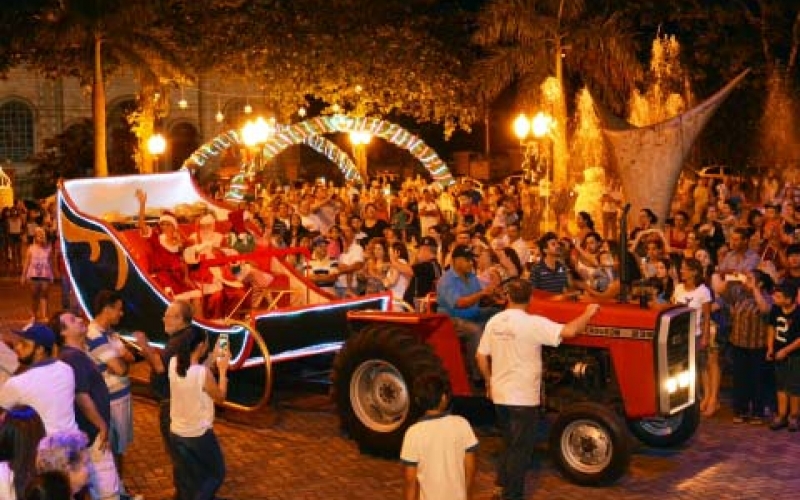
pixel 216 146
pixel 390 132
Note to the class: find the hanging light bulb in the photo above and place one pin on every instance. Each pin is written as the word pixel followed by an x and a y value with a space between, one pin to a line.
pixel 219 117
pixel 301 112
pixel 335 108
pixel 248 109
pixel 183 103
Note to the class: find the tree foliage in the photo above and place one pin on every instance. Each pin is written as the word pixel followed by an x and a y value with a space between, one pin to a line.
pixel 525 40
pixel 367 57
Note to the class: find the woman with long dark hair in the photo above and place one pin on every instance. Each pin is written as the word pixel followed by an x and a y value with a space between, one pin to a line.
pixel 200 466
pixel 693 292
pixel 21 429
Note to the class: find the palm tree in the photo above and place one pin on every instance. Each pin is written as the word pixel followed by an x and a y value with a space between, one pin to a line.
pixel 95 37
pixel 525 41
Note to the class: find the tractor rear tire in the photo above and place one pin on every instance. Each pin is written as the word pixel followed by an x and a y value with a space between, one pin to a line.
pixel 373 379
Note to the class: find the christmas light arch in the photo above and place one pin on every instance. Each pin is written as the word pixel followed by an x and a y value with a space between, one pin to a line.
pixel 391 132
pixel 231 138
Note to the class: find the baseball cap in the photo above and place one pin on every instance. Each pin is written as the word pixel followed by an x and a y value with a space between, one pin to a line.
pixel 319 240
pixel 39 334
pixel 428 241
pixel 463 251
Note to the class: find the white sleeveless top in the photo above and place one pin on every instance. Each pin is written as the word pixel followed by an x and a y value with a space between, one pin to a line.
pixel 7 482
pixel 191 409
pixel 39 262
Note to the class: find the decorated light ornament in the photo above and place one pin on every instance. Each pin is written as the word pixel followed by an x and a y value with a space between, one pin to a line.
pixel 301 112
pixel 183 103
pixel 219 116
pixel 248 109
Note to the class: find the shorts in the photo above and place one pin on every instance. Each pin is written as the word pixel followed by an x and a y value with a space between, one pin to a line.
pixel 701 356
pixel 104 480
pixel 121 435
pixel 787 375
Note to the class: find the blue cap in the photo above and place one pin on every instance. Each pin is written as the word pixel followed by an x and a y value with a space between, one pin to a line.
pixel 39 334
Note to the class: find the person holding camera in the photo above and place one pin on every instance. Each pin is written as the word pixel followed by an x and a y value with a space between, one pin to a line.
pixel 200 465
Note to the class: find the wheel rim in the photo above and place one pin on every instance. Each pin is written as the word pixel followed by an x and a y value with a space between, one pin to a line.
pixel 586 446
pixel 379 395
pixel 662 426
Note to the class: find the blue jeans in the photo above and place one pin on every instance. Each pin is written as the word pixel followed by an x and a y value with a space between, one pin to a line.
pixel 518 425
pixel 200 466
pixel 753 382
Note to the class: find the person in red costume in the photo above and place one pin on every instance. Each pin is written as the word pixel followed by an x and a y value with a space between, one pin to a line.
pixel 222 284
pixel 167 267
pixel 221 288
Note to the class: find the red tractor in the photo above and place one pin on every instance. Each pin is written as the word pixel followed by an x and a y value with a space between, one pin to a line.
pixel 633 369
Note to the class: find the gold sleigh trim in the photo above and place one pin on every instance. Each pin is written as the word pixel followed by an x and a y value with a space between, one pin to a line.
pixel 74 233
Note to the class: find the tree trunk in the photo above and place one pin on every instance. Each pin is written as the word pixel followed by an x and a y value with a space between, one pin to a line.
pixel 795 44
pixel 99 112
pixel 561 179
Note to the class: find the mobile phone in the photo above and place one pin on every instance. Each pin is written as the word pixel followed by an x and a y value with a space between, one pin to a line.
pixel 222 342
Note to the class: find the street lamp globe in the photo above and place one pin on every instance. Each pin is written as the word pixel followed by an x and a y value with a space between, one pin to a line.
pixel 256 132
pixel 541 124
pixel 360 138
pixel 522 126
pixel 156 145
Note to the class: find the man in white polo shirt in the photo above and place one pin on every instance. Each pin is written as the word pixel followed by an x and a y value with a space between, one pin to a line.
pixel 510 359
pixel 47 385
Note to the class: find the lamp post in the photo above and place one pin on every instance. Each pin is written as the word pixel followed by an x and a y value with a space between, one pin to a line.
pixel 530 132
pixel 255 134
pixel 156 145
pixel 359 140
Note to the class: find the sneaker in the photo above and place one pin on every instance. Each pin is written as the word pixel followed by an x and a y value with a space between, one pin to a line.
pixel 777 424
pixel 740 419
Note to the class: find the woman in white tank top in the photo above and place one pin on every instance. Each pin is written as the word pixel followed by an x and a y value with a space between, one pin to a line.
pixel 200 466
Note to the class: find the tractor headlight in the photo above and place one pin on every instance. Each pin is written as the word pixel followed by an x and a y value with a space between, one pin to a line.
pixel 679 381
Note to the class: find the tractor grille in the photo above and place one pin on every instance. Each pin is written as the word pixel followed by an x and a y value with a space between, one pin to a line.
pixel 676 357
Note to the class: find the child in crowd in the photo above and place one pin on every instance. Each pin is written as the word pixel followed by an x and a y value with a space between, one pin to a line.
pixel 783 346
pixel 438 452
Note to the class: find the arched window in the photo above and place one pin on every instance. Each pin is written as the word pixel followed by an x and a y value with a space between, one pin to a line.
pixel 16 131
pixel 184 139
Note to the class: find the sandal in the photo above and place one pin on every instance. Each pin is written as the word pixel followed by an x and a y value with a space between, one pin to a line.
pixel 778 423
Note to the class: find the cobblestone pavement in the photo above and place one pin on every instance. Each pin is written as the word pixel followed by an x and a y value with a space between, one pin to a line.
pixel 296 452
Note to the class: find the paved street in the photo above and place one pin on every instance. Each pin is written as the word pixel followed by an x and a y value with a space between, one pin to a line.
pixel 296 452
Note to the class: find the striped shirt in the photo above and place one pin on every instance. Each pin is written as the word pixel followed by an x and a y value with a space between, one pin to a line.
pixel 748 324
pixel 104 346
pixel 549 280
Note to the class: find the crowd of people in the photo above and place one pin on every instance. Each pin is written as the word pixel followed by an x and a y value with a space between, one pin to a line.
pixel 66 413
pixel 732 255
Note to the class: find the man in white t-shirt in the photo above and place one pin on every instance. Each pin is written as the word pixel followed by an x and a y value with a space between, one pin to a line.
pixel 47 385
pixel 510 359
pixel 8 362
pixel 350 261
pixel 429 215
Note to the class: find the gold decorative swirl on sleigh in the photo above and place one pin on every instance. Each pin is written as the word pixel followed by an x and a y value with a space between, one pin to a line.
pixel 73 233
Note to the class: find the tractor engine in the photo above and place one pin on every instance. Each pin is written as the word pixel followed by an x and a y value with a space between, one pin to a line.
pixel 575 373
